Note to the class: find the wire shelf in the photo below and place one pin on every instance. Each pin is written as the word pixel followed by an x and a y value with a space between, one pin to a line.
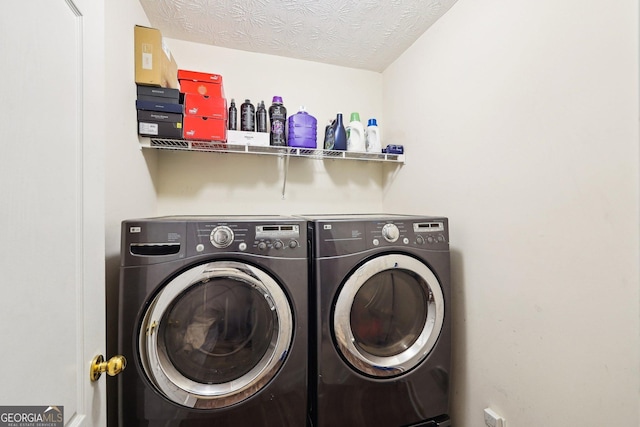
pixel 222 147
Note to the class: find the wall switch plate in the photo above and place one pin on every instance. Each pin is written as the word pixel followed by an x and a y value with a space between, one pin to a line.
pixel 492 419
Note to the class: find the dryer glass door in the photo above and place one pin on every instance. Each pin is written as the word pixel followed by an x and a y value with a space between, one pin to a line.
pixel 216 334
pixel 388 315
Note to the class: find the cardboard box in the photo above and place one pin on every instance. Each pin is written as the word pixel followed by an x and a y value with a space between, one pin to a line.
pixel 158 99
pixel 203 83
pixel 168 94
pixel 213 90
pixel 239 137
pixel 158 124
pixel 201 105
pixel 160 129
pixel 204 128
pixel 159 106
pixel 198 76
pixel 159 116
pixel 155 65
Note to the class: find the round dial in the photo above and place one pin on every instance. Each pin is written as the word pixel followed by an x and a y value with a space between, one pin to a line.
pixel 390 232
pixel 278 244
pixel 221 236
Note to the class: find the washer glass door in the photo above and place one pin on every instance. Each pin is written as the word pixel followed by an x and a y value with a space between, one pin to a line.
pixel 216 334
pixel 388 315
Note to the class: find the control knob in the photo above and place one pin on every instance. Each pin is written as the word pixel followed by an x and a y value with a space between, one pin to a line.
pixel 221 236
pixel 278 244
pixel 390 232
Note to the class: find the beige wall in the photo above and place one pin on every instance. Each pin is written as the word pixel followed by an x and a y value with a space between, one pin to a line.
pixel 197 183
pixel 130 192
pixel 526 136
pixel 520 120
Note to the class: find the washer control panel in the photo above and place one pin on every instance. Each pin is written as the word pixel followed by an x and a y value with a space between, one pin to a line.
pixel 278 238
pixel 221 236
pixel 390 232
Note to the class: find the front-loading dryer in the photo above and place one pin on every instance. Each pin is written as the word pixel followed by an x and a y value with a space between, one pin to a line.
pixel 380 334
pixel 213 321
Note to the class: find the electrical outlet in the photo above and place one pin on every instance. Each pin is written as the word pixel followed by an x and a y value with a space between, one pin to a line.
pixel 492 419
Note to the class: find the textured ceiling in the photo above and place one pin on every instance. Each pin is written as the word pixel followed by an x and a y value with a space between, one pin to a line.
pixel 366 34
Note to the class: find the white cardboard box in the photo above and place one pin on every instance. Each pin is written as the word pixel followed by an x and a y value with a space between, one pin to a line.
pixel 239 137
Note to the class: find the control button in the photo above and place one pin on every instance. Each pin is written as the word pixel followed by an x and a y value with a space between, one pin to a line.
pixel 278 244
pixel 430 239
pixel 390 232
pixel 293 244
pixel 242 246
pixel 440 238
pixel 262 246
pixel 199 247
pixel 420 240
pixel 376 242
pixel 405 241
pixel 221 236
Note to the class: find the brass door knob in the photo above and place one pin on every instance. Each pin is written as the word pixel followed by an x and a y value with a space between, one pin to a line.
pixel 112 367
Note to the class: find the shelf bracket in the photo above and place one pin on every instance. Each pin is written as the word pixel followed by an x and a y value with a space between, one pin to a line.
pixel 286 171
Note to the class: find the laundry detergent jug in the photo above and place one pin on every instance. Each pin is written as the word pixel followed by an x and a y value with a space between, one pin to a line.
pixel 355 134
pixel 303 130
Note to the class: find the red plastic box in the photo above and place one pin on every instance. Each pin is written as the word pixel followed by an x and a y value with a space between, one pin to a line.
pixel 201 105
pixel 204 128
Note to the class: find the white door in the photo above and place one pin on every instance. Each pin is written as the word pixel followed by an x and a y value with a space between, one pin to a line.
pixel 51 185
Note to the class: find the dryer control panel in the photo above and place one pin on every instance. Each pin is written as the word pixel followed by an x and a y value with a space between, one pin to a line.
pixel 428 234
pixel 342 237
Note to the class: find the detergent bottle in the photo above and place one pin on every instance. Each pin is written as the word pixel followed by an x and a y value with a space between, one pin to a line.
pixel 303 130
pixel 355 134
pixel 373 137
pixel 278 122
pixel 339 134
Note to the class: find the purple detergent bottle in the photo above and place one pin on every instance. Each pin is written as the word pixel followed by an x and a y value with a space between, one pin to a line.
pixel 303 130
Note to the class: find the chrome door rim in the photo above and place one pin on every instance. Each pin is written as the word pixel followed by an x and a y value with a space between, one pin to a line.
pixel 395 365
pixel 186 392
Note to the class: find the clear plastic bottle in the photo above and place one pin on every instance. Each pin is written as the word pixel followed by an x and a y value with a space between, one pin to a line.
pixel 233 115
pixel 278 122
pixel 247 116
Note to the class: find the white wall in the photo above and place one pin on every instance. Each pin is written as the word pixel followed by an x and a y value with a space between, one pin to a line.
pixel 130 192
pixel 197 183
pixel 129 188
pixel 521 120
